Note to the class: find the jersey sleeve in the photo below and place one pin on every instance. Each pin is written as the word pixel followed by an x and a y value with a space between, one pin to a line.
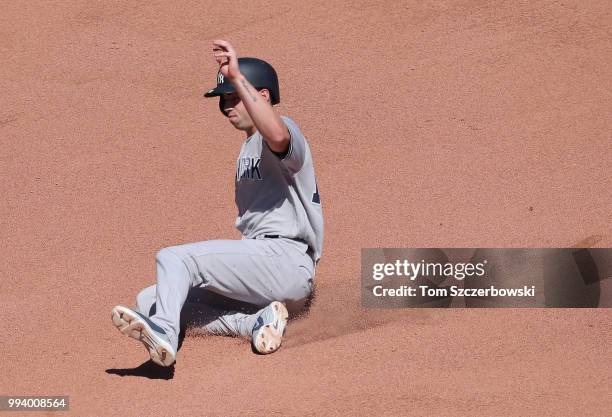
pixel 294 158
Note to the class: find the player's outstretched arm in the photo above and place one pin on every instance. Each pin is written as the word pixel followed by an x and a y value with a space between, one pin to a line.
pixel 257 103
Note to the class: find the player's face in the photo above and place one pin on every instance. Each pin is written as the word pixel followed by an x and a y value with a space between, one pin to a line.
pixel 236 112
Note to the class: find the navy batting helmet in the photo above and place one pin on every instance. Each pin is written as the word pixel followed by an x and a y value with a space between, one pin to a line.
pixel 258 72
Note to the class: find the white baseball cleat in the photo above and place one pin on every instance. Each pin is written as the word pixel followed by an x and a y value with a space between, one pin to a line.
pixel 269 329
pixel 138 326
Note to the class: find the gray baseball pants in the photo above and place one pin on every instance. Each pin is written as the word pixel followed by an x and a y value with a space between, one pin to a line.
pixel 254 271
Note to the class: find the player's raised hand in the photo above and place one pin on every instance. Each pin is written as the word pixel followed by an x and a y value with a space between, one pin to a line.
pixel 225 55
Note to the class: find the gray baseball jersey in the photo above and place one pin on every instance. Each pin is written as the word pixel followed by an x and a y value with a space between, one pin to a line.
pixel 279 214
pixel 278 194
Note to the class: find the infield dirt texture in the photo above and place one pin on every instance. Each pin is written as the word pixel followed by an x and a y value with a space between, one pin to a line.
pixel 432 124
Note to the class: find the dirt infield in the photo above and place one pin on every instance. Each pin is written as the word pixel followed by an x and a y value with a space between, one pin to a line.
pixel 432 124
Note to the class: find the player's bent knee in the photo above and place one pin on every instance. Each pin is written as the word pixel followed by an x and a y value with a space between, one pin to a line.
pixel 164 255
pixel 167 256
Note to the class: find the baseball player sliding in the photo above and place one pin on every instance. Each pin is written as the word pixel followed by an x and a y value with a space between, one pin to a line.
pixel 279 216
